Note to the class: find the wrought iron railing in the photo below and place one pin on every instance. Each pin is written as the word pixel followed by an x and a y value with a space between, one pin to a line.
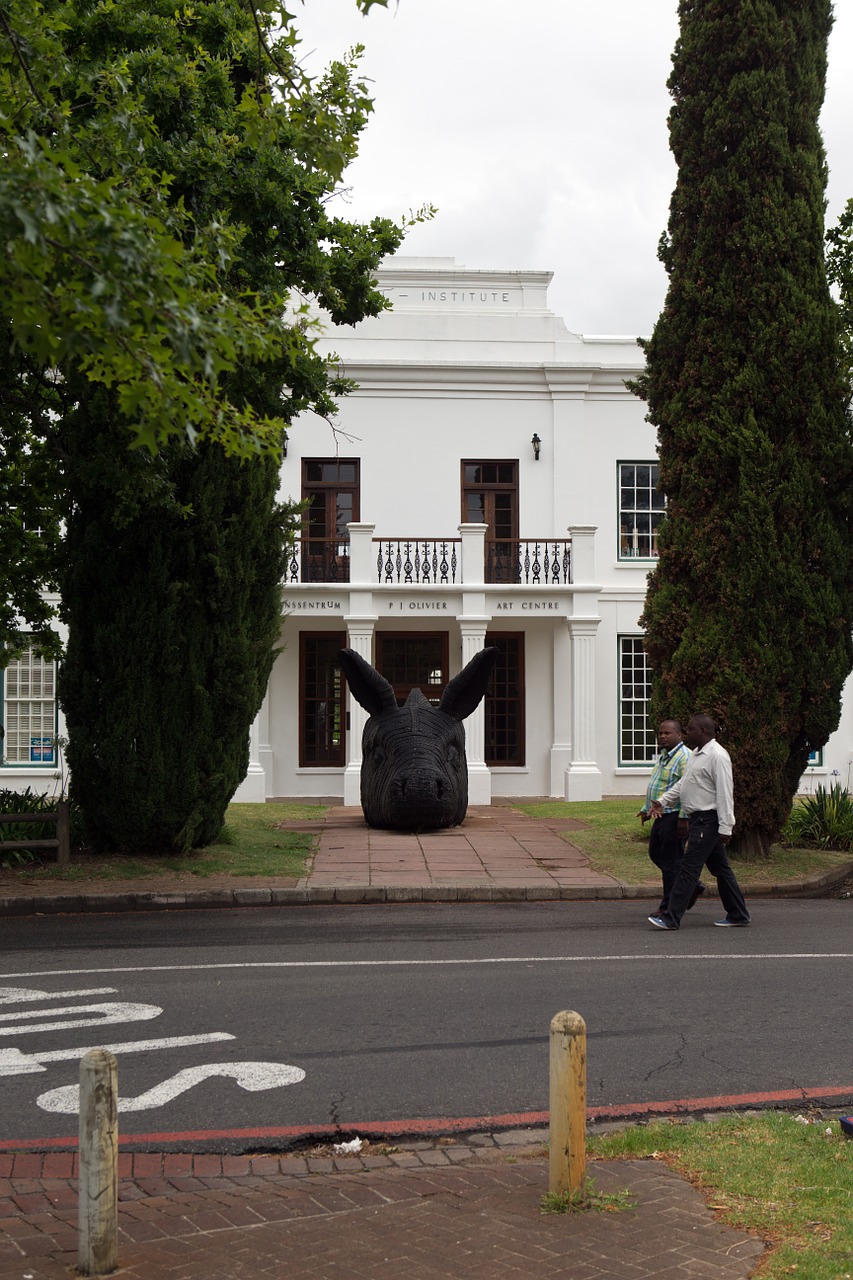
pixel 434 561
pixel 319 560
pixel 529 561
pixel 427 561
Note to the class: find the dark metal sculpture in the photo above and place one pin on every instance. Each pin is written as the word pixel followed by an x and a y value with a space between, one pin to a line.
pixel 414 775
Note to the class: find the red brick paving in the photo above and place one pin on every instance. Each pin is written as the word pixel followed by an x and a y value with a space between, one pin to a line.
pixel 495 849
pixel 449 1211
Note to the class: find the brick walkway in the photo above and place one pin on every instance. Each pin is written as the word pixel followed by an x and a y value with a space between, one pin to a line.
pixel 497 852
pixel 466 1210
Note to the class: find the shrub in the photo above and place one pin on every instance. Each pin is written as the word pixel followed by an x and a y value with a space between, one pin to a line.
pixel 824 819
pixel 30 801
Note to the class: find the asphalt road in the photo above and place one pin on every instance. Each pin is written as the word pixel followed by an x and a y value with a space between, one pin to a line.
pixel 266 1020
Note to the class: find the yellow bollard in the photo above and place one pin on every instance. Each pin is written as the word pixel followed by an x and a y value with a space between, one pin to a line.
pixel 567 1160
pixel 97 1183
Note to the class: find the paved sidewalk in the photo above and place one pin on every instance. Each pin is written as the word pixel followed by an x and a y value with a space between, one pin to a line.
pixel 497 855
pixel 447 1211
pixel 455 1209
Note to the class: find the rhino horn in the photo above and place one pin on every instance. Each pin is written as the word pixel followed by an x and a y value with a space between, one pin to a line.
pixel 465 692
pixel 370 689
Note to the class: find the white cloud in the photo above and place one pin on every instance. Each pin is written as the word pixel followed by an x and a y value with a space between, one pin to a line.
pixel 539 131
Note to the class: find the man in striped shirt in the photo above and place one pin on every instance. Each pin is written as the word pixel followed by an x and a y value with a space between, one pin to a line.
pixel 665 846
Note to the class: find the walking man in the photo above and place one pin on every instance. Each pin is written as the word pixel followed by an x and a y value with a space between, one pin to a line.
pixel 705 793
pixel 665 843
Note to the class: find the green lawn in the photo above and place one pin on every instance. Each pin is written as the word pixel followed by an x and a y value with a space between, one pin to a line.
pixel 788 1182
pixel 617 844
pixel 251 844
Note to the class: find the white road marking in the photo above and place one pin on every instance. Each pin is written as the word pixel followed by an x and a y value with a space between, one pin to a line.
pixel 25 995
pixel 15 1063
pixel 118 1011
pixel 675 957
pixel 252 1076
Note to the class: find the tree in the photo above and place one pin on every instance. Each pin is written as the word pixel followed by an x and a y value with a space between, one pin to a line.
pixel 839 267
pixel 749 608
pixel 171 568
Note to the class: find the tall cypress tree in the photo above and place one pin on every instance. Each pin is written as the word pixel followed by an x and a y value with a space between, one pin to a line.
pixel 748 613
pixel 173 562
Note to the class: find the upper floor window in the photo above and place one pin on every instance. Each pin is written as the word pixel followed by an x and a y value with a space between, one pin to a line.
pixel 641 510
pixel 490 497
pixel 28 710
pixel 331 487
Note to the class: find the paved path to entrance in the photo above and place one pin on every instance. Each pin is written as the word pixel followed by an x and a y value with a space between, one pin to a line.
pixel 497 853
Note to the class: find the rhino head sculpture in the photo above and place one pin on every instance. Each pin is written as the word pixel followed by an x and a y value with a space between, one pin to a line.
pixel 414 775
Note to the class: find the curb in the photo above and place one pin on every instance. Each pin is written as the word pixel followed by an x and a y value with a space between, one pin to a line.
pixel 207 899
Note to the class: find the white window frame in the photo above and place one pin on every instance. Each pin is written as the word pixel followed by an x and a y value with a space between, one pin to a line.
pixel 637 739
pixel 637 542
pixel 28 712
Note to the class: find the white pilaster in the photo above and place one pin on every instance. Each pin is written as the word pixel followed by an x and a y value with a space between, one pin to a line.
pixel 479 775
pixel 561 749
pixel 253 788
pixel 583 552
pixel 359 638
pixel 362 570
pixel 473 554
pixel 583 777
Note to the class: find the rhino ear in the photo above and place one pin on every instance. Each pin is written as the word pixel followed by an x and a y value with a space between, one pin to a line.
pixel 370 689
pixel 465 691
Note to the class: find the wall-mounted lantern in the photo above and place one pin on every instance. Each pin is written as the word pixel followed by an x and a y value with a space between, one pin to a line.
pixel 537 445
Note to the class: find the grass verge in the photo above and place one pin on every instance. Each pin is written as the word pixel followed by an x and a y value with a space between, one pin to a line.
pixel 251 844
pixel 617 845
pixel 788 1182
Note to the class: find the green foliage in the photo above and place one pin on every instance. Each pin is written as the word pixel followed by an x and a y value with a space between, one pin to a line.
pixel 110 266
pixel 748 613
pixel 608 832
pixel 172 562
pixel 788 1179
pixel 173 619
pixel 30 507
pixel 254 842
pixel 163 217
pixel 29 801
pixel 824 819
pixel 839 269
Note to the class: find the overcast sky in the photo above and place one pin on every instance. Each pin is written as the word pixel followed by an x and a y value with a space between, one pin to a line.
pixel 538 129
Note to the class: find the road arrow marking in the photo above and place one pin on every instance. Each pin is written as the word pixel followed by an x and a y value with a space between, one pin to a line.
pixel 112 1012
pixel 15 1063
pixel 24 995
pixel 253 1076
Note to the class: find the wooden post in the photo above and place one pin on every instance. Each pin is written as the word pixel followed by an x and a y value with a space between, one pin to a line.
pixel 97 1248
pixel 63 833
pixel 567 1158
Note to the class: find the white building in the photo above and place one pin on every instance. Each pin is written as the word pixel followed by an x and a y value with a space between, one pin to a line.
pixel 491 481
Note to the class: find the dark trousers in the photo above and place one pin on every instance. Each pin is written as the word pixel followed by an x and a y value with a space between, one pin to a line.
pixel 705 849
pixel 665 850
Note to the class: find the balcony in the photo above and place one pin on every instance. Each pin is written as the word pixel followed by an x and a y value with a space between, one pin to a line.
pixel 471 559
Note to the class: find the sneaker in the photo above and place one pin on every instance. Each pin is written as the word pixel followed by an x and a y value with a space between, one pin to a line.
pixel 731 924
pixel 662 922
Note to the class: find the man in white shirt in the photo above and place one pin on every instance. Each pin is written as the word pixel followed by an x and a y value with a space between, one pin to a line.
pixel 705 794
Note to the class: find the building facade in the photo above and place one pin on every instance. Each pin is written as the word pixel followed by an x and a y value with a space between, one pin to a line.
pixel 491 481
